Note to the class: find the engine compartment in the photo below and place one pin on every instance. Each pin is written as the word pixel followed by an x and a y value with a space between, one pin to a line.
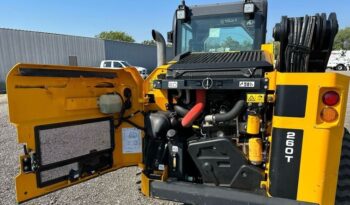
pixel 214 137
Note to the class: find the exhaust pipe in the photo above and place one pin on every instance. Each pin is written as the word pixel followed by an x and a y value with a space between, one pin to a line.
pixel 161 52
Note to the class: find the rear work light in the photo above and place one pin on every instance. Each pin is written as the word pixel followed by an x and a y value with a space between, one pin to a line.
pixel 330 98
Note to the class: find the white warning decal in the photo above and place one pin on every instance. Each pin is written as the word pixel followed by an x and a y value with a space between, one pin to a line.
pixel 246 84
pixel 132 142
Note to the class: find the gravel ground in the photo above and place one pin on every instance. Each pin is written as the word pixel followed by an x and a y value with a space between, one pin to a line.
pixel 118 187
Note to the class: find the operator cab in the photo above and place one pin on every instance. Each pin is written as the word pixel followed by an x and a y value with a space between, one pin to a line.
pixel 224 37
pixel 224 27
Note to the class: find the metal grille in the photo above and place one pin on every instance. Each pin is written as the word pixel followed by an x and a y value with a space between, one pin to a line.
pixel 52 174
pixel 68 142
pixel 212 74
pixel 223 61
pixel 243 56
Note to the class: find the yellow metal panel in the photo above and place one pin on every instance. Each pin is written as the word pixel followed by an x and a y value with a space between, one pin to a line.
pixel 37 101
pixel 269 51
pixel 81 103
pixel 322 141
pixel 160 96
pixel 268 47
pixel 272 80
pixel 145 182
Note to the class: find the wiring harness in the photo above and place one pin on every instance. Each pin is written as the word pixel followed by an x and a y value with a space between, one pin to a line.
pixel 305 42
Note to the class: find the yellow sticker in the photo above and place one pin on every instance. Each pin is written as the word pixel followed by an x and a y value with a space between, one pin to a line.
pixel 255 98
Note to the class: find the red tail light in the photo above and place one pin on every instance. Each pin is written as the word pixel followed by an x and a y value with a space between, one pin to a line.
pixel 330 98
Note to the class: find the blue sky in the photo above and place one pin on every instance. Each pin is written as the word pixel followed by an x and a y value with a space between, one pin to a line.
pixel 136 17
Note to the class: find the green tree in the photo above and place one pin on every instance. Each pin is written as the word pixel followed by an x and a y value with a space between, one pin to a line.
pixel 277 49
pixel 231 44
pixel 115 36
pixel 246 46
pixel 342 36
pixel 149 42
pixel 154 43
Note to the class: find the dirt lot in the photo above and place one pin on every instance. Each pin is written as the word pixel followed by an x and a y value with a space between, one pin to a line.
pixel 118 187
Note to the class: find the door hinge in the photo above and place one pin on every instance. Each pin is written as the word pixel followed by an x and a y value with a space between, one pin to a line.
pixel 30 161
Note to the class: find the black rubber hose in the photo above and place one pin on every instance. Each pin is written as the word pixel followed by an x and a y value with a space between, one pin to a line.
pixel 133 124
pixel 180 110
pixel 234 112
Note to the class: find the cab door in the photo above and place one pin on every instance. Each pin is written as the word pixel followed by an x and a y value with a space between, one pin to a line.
pixel 65 134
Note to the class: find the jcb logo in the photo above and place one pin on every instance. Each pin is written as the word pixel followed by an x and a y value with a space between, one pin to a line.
pixel 289 150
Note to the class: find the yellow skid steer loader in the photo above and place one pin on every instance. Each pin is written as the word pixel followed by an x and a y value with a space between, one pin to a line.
pixel 224 122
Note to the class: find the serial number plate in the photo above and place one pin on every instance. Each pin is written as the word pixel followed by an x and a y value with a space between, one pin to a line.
pixel 246 84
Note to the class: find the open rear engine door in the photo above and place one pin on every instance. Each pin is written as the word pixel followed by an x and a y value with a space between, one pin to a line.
pixel 60 122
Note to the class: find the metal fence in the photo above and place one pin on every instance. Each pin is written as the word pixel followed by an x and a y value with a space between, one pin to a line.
pixel 47 48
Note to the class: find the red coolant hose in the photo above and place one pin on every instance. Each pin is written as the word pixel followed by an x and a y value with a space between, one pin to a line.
pixel 196 110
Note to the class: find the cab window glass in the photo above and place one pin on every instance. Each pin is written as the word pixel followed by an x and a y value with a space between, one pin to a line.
pixel 221 33
pixel 107 64
pixel 117 65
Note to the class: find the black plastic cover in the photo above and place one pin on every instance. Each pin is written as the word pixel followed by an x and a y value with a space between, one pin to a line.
pixel 285 162
pixel 157 124
pixel 65 73
pixel 291 100
pixel 221 163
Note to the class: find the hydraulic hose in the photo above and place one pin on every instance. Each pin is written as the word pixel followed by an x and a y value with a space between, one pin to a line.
pixel 305 42
pixel 234 112
pixel 188 97
pixel 196 110
pixel 180 110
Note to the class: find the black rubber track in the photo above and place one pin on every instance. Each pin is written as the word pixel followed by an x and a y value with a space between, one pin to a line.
pixel 343 189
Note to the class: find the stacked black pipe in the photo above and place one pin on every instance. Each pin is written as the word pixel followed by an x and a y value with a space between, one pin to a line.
pixel 305 42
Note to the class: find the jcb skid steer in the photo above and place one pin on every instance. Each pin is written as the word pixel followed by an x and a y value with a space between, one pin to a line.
pixel 223 123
